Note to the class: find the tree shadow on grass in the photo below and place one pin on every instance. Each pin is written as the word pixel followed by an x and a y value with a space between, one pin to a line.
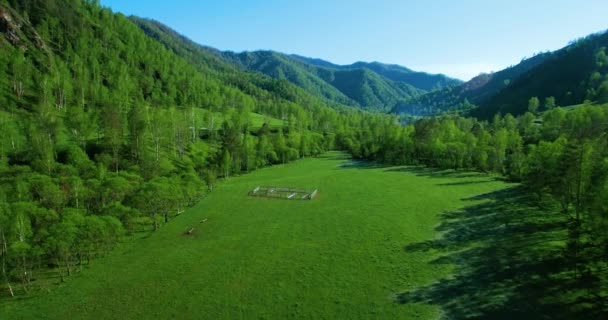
pixel 438 173
pixel 466 182
pixel 334 156
pixel 509 258
pixel 361 164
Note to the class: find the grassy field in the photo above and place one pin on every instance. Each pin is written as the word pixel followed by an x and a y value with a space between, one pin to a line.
pixel 256 120
pixel 342 255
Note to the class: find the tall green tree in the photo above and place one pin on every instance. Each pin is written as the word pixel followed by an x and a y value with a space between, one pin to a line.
pixel 533 105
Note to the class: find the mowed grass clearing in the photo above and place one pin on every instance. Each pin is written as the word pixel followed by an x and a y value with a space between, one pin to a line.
pixel 339 256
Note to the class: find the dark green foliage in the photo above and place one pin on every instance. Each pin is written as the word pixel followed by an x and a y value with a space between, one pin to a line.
pixel 466 96
pixel 570 75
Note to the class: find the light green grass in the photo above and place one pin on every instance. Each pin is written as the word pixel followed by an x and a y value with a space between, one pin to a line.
pixel 256 120
pixel 575 106
pixel 339 256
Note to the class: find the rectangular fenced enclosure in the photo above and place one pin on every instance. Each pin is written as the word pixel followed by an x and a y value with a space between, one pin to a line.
pixel 283 193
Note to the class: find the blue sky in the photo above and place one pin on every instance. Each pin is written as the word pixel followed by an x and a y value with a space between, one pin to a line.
pixel 457 38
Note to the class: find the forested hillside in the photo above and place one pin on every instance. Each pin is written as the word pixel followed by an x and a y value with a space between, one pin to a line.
pixel 371 86
pixel 565 77
pixel 104 131
pixel 569 76
pixel 397 73
pixel 465 96
pixel 209 60
pixel 279 66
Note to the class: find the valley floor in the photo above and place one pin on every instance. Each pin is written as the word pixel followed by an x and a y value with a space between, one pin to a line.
pixel 357 251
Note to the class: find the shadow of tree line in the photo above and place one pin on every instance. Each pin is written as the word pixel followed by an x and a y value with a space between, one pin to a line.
pixel 440 173
pixel 510 264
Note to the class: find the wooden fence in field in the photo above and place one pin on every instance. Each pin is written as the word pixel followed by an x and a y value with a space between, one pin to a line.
pixel 283 193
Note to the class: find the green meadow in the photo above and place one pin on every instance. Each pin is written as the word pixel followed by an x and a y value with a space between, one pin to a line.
pixel 342 255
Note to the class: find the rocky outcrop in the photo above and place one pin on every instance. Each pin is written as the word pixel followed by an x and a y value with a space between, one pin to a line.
pixel 477 82
pixel 18 32
pixel 9 28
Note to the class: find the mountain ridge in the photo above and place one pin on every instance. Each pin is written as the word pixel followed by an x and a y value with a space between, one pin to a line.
pixel 379 89
pixel 581 68
pixel 469 93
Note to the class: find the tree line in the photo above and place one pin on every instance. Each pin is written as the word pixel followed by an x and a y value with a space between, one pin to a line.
pixel 560 156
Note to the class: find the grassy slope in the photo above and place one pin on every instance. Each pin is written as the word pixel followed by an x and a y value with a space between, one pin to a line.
pixel 256 120
pixel 339 256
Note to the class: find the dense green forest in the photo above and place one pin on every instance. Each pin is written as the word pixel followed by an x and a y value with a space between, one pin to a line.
pixel 111 126
pixel 568 76
pixel 104 131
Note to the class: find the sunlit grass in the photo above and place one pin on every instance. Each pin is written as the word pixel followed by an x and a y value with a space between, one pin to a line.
pixel 339 256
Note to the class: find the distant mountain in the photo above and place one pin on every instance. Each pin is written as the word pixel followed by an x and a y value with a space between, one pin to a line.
pixel 571 75
pixel 281 66
pixel 371 86
pixel 359 87
pixel 315 61
pixel 468 94
pixel 397 73
pixel 213 62
pixel 394 72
